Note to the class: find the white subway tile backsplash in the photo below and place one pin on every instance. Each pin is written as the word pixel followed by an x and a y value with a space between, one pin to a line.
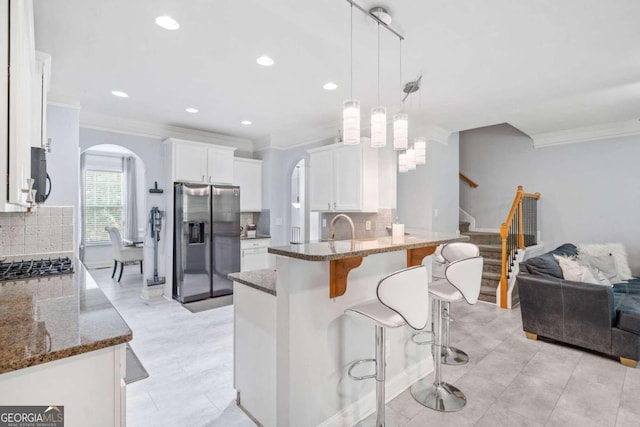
pixel 45 231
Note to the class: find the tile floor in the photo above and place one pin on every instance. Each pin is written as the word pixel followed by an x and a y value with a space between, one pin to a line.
pixel 510 381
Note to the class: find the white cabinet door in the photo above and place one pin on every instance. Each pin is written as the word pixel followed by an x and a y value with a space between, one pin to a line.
pixel 347 171
pixel 41 82
pixel 321 180
pixel 255 259
pixel 220 165
pixel 247 174
pixel 190 163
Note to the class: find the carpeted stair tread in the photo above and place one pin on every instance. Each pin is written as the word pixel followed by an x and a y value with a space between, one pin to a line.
pixel 491 275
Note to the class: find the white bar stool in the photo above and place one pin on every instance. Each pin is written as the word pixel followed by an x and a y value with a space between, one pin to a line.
pixel 454 252
pixel 403 298
pixel 463 279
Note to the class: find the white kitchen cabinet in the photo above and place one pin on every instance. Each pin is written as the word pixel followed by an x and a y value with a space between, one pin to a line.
pixel 254 254
pixel 344 178
pixel 202 163
pixel 247 174
pixel 16 96
pixel 41 84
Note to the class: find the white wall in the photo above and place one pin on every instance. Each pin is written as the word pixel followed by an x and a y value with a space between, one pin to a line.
pixel 589 190
pixel 63 162
pixel 431 186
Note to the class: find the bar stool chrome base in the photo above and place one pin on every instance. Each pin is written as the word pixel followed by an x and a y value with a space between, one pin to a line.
pixel 442 397
pixel 454 356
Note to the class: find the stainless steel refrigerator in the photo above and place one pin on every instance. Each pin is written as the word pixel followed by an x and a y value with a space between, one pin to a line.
pixel 206 240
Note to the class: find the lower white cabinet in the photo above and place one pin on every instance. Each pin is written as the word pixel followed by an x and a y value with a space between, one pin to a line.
pixel 254 254
pixel 90 386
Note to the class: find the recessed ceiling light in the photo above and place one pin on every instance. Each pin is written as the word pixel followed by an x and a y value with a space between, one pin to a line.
pixel 246 122
pixel 330 86
pixel 191 110
pixel 119 94
pixel 167 22
pixel 265 61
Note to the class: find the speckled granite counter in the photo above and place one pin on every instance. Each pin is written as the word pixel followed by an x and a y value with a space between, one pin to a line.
pixel 262 280
pixel 330 251
pixel 42 320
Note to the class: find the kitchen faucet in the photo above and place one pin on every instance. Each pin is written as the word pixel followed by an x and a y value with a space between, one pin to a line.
pixel 332 230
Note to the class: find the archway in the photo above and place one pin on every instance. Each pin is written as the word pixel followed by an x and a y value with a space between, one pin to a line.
pixel 298 203
pixel 112 194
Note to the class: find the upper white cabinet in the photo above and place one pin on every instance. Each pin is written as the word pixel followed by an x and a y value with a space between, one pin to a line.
pixel 18 60
pixel 201 163
pixel 247 174
pixel 41 84
pixel 344 178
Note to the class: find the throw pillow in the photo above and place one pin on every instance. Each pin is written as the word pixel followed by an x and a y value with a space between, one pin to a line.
pixel 614 249
pixel 603 264
pixel 572 270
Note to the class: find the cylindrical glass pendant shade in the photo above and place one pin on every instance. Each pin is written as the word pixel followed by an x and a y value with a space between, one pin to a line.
pixel 402 162
pixel 400 131
pixel 411 159
pixel 351 122
pixel 378 127
pixel 420 147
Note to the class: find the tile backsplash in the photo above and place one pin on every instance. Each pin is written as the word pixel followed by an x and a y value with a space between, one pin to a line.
pixel 48 229
pixel 379 222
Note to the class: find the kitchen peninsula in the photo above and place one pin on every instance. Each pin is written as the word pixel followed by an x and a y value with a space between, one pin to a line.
pixel 293 343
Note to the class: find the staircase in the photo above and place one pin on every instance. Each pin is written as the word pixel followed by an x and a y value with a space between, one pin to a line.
pixel 491 251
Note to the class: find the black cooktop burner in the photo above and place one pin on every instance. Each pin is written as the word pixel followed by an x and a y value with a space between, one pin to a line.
pixel 29 269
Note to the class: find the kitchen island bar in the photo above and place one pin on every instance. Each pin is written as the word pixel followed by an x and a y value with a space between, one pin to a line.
pixel 295 346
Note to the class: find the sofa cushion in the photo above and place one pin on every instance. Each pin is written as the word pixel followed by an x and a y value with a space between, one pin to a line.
pixel 626 297
pixel 546 264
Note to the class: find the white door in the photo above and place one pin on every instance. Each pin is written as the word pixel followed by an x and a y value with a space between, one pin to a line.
pixel 247 174
pixel 348 176
pixel 220 166
pixel 321 180
pixel 190 163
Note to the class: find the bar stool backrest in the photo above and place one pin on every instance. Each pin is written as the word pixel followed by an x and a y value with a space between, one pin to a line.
pixel 407 293
pixel 466 276
pixel 459 250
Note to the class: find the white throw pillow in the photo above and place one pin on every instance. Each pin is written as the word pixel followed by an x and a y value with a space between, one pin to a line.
pixel 576 272
pixel 605 265
pixel 615 249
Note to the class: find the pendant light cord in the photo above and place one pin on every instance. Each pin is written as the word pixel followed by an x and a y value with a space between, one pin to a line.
pixel 378 63
pixel 401 102
pixel 351 55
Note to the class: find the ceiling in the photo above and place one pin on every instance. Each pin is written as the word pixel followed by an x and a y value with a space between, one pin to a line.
pixel 540 65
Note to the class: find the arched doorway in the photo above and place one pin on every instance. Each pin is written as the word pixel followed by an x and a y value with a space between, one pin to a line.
pixel 112 194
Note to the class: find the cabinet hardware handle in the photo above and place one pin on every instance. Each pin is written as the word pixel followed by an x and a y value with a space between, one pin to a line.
pixel 329 206
pixel 209 178
pixel 202 178
pixel 334 206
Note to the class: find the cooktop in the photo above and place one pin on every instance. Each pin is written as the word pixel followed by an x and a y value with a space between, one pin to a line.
pixel 30 269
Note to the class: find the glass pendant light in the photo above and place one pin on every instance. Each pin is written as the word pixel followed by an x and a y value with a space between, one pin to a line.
pixel 411 159
pixel 351 107
pixel 400 120
pixel 420 147
pixel 378 114
pixel 402 163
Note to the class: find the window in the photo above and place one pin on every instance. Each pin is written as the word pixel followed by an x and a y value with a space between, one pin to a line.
pixel 103 204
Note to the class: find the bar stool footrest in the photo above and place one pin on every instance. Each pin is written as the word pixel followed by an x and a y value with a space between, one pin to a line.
pixel 414 338
pixel 358 363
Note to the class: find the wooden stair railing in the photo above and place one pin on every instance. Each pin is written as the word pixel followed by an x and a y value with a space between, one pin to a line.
pixel 467 180
pixel 517 232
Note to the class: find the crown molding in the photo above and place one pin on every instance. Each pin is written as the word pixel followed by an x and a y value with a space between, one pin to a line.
pixel 588 133
pixel 437 134
pixel 103 122
pixel 65 101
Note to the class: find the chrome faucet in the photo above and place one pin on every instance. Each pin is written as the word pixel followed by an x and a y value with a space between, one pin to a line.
pixel 332 230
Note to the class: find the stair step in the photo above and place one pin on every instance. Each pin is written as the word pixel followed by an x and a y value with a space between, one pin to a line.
pixel 483 237
pixel 490 251
pixel 491 276
pixel 492 265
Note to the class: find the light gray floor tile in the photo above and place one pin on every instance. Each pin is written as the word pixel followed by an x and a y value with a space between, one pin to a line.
pixel 530 397
pixel 550 368
pixel 405 405
pixel 497 416
pixel 601 370
pixel 392 418
pixel 586 403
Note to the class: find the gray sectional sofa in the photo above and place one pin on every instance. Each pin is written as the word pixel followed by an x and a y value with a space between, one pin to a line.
pixel 600 318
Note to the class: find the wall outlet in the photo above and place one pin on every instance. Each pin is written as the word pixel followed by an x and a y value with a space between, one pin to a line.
pixel 324 222
pixel 435 212
pixel 367 225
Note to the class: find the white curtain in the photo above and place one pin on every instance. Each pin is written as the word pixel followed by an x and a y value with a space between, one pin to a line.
pixel 130 199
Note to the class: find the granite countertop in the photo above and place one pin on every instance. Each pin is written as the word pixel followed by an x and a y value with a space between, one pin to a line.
pixel 259 236
pixel 42 320
pixel 262 280
pixel 329 251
